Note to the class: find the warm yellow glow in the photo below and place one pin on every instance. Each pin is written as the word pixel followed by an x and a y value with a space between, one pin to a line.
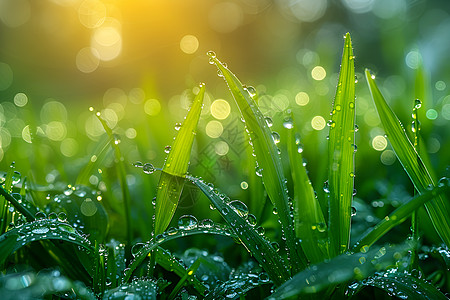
pixel 92 13
pixel 221 148
pixel 189 44
pixel 152 107
pixel 107 41
pixel 379 143
pixel 318 73
pixel 87 60
pixel 214 129
pixel 225 17
pixel 220 109
pixel 302 98
pixel 318 123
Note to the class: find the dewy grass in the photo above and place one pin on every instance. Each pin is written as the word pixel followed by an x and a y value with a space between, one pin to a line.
pixel 312 257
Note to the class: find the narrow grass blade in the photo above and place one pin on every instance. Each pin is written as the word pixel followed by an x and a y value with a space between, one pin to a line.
pixel 439 208
pixel 172 177
pixel 397 217
pixel 7 244
pixel 165 259
pixel 16 201
pixel 122 174
pixel 141 251
pixel 405 286
pixel 340 269
pixel 309 221
pixel 341 150
pixel 268 159
pixel 235 213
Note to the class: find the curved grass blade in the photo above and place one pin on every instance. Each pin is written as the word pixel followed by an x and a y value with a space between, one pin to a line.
pixel 46 229
pixel 341 149
pixel 268 159
pixel 122 174
pixel 11 198
pixel 405 286
pixel 309 221
pixel 439 208
pixel 7 244
pixel 256 244
pixel 397 217
pixel 172 177
pixel 141 251
pixel 340 269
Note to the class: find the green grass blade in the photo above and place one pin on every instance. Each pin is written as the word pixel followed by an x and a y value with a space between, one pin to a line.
pixel 405 286
pixel 341 150
pixel 122 174
pixel 439 208
pixel 143 250
pixel 175 168
pixel 268 159
pixel 47 229
pixel 309 221
pixel 256 244
pixel 397 217
pixel 340 269
pixel 7 244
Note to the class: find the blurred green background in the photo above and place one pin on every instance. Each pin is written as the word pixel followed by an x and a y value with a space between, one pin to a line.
pixel 140 62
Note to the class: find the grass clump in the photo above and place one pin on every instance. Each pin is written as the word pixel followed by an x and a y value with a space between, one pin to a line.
pixel 69 245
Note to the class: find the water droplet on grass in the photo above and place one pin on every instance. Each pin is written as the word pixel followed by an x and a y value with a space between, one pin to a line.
pixel 167 149
pixel 177 126
pixel 275 137
pixel 148 168
pixel 239 207
pixel 138 164
pixel 187 222
pixel 288 123
pixel 269 121
pixel 353 212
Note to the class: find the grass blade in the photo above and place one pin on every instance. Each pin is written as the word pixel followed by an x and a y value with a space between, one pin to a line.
pixel 268 159
pixel 397 217
pixel 341 150
pixel 309 221
pixel 405 286
pixel 439 208
pixel 172 177
pixel 256 244
pixel 339 269
pixel 122 174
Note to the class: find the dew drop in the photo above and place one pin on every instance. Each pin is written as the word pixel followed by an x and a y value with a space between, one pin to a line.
pixel 417 104
pixel 338 107
pixel 40 230
pixel 288 123
pixel 353 212
pixel 274 211
pixel 187 222
pixel 40 215
pixel 207 223
pixel 62 217
pixel 211 54
pixel 177 126
pixel 148 168
pixel 260 230
pixel 167 149
pixel 275 137
pixel 136 248
pixel 239 207
pixel 251 220
pixel 269 121
pixel 326 188
pixel 251 91
pixel 356 128
pixel 138 164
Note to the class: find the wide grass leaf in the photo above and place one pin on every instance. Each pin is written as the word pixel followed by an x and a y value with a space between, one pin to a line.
pixel 236 214
pixel 309 221
pixel 269 162
pixel 341 150
pixel 403 285
pixel 439 208
pixel 340 269
pixel 175 168
pixel 397 217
